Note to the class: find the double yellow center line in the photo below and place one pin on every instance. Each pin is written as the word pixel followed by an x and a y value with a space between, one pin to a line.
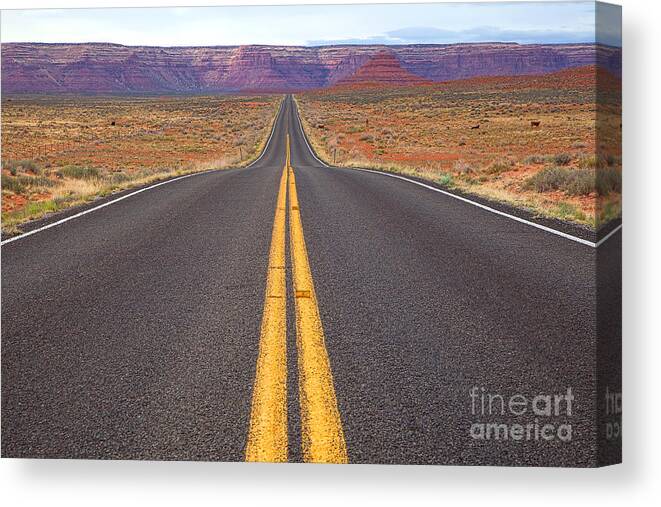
pixel 322 437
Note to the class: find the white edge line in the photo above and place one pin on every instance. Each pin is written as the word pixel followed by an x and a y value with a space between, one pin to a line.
pixel 487 208
pixel 305 138
pixel 108 203
pixel 602 240
pixel 90 210
pixel 460 198
pixel 268 141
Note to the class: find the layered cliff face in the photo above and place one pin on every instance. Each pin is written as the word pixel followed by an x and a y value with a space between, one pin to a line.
pixel 473 60
pixel 111 68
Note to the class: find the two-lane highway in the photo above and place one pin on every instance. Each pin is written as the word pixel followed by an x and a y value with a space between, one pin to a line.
pixel 322 437
pixel 139 331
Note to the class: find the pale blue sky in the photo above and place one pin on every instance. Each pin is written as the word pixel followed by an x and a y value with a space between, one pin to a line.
pixel 316 24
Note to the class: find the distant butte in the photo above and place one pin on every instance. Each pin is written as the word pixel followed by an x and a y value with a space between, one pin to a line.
pixel 383 69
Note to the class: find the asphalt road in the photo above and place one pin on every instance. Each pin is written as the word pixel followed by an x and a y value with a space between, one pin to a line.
pixel 133 332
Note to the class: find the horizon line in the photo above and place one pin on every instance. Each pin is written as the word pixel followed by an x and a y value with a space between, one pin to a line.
pixel 339 44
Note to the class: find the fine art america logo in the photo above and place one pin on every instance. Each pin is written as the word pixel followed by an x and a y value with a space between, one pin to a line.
pixel 613 420
pixel 520 417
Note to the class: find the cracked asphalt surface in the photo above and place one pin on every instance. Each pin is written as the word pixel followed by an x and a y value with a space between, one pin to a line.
pixel 133 332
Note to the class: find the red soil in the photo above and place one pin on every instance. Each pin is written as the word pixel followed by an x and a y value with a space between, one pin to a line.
pixel 572 79
pixel 13 201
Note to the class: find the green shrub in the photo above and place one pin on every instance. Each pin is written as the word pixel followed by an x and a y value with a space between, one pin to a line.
pixel 117 178
pixel 22 183
pixel 596 161
pixel 34 209
pixel 79 172
pixel 38 207
pixel 38 181
pixel 571 181
pixel 568 211
pixel 22 165
pixel 587 161
pixel 445 180
pixel 580 182
pixel 608 180
pixel 537 159
pixel 499 166
pixel 551 178
pixel 562 159
pixel 12 183
pixel 609 211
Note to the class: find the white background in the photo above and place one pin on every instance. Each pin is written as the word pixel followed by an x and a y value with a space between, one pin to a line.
pixel 34 482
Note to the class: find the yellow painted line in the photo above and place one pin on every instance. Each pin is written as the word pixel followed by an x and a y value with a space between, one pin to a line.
pixel 267 437
pixel 288 160
pixel 321 428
